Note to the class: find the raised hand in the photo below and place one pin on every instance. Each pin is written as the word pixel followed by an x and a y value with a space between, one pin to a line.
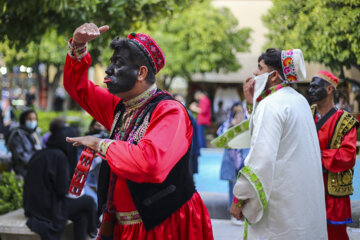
pixel 248 89
pixel 87 32
pixel 88 141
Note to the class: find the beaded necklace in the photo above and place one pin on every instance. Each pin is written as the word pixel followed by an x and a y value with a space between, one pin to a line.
pixel 271 90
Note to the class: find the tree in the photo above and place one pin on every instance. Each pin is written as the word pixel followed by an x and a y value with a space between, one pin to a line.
pixel 21 27
pixel 326 30
pixel 199 39
pixel 40 34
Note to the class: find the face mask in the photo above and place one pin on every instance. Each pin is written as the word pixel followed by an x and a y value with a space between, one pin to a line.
pixel 260 84
pixel 31 125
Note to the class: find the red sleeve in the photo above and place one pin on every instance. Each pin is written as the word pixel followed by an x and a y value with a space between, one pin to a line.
pixel 205 106
pixel 97 101
pixel 343 158
pixel 166 140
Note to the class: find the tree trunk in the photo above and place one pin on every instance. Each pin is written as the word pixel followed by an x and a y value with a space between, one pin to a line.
pixel 342 76
pixel 38 84
pixel 51 87
pixel 167 82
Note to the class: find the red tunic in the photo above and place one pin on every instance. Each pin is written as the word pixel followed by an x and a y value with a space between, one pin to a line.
pixel 204 117
pixel 338 209
pixel 166 140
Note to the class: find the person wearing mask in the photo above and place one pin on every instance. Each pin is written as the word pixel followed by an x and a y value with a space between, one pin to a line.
pixel 24 141
pixel 46 201
pixel 233 159
pixel 279 190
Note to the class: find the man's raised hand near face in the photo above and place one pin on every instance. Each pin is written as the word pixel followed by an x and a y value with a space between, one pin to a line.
pixel 87 32
pixel 248 89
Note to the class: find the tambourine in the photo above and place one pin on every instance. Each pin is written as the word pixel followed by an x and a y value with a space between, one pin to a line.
pixel 81 171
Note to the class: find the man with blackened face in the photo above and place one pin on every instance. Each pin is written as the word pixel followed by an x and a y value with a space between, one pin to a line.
pixel 321 91
pixel 337 134
pixel 127 65
pixel 145 189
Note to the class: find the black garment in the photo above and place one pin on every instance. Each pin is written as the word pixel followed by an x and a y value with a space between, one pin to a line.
pixel 82 211
pixel 155 201
pixel 195 146
pixel 22 143
pixel 45 188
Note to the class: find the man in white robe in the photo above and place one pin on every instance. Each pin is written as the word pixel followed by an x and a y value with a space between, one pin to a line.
pixel 280 190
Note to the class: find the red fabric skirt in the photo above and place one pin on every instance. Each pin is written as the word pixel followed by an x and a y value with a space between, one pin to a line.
pixel 191 221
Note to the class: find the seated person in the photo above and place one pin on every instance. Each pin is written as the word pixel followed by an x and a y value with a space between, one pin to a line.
pixel 46 185
pixel 24 141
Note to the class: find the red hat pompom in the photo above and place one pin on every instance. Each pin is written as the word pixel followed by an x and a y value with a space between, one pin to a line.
pixel 132 35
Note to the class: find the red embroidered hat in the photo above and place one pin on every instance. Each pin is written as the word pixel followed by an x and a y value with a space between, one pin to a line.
pixel 150 48
pixel 331 78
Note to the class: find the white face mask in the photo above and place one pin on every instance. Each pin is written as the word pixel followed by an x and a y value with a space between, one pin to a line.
pixel 31 125
pixel 260 84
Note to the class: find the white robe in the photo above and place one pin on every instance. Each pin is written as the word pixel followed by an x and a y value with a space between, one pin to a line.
pixel 285 157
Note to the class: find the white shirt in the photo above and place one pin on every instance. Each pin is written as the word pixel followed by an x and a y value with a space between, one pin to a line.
pixel 285 157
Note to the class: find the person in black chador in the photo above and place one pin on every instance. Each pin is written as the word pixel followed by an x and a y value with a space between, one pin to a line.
pixel 46 203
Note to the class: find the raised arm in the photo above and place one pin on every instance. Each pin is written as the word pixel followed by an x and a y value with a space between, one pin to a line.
pixel 98 102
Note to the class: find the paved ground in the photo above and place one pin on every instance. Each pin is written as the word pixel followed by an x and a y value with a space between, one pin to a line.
pixel 224 230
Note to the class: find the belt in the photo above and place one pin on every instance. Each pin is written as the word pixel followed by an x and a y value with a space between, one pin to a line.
pixel 128 218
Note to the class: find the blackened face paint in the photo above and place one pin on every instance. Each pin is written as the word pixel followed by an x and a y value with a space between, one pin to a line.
pixel 317 90
pixel 122 73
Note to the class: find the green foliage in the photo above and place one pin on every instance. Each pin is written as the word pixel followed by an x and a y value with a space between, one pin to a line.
pixel 77 119
pixel 199 39
pixel 26 22
pixel 326 30
pixel 10 192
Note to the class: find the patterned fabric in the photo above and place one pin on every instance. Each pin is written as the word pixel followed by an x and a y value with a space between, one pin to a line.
pixel 271 90
pixel 103 146
pixel 223 140
pixel 256 183
pixel 123 131
pixel 152 51
pixel 238 202
pixel 131 108
pixel 327 76
pixel 289 65
pixel 77 52
pixel 128 218
pixel 137 101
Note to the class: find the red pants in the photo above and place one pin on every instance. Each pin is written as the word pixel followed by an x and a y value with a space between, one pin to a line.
pixel 337 232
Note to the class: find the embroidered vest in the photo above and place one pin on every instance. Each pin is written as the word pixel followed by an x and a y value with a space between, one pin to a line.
pixel 154 201
pixel 340 184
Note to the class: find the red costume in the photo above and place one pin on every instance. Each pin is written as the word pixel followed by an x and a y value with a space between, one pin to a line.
pixel 160 144
pixel 337 160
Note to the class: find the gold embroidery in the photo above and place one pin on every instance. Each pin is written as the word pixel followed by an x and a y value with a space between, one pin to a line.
pixel 128 218
pixel 340 184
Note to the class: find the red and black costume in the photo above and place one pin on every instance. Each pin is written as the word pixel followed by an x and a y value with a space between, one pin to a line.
pixel 337 131
pixel 150 192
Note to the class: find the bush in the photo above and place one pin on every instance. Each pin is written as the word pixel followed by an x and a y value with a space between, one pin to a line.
pixel 78 119
pixel 11 190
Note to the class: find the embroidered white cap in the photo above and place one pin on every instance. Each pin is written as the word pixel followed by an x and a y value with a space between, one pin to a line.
pixel 293 65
